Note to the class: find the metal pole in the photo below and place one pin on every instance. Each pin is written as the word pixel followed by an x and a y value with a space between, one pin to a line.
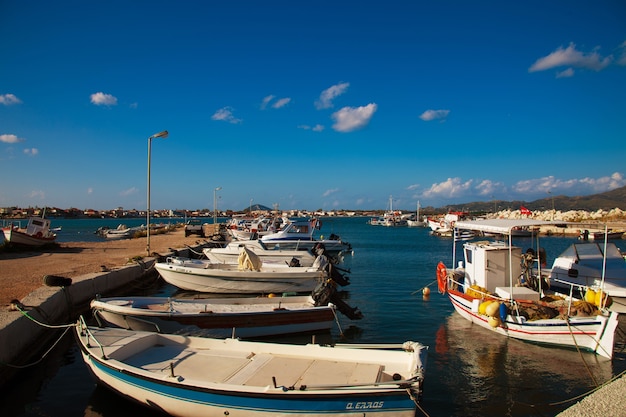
pixel 215 204
pixel 163 135
pixel 148 211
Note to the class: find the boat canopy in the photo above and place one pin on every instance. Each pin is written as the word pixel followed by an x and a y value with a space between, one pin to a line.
pixel 501 226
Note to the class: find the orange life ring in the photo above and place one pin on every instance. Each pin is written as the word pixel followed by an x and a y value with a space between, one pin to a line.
pixel 442 277
pixel 39 235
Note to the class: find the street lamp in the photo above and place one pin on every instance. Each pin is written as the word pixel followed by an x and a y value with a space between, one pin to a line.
pixel 163 135
pixel 215 204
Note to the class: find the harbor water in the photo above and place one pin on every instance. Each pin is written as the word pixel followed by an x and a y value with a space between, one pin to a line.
pixel 471 371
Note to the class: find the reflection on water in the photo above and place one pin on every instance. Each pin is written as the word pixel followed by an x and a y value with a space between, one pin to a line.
pixel 494 375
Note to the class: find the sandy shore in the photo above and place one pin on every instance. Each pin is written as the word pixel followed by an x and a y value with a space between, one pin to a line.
pixel 22 272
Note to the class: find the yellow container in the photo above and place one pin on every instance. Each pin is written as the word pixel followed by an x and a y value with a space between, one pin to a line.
pixel 590 296
pixel 482 308
pixel 493 309
pixel 493 321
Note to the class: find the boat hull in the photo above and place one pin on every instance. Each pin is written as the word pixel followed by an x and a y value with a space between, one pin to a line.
pixel 16 237
pixel 233 281
pixel 595 334
pixel 229 317
pixel 187 376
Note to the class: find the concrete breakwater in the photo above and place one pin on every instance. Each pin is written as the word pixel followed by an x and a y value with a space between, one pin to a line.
pixel 22 340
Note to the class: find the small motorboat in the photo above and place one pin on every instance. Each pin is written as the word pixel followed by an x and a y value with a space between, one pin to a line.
pixel 200 376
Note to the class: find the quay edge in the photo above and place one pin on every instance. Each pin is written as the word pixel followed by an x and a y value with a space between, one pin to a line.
pixel 23 341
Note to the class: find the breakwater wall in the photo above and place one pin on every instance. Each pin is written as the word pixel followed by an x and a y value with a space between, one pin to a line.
pixel 28 331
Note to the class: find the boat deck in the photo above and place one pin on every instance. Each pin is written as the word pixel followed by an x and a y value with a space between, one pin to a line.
pixel 250 369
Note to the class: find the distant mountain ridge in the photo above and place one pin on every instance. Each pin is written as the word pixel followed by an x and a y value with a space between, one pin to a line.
pixel 607 200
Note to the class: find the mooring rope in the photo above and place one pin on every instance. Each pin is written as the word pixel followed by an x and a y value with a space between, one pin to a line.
pixel 67 327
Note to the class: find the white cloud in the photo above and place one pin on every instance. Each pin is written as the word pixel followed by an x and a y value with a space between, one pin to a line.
pixel 566 73
pixel 226 114
pixel 429 115
pixel 329 192
pixel 353 118
pixel 489 188
pixel 89 191
pixel 316 128
pixel 9 99
pixel 128 192
pixel 327 96
pixel 570 56
pixel 451 188
pixel 572 187
pixel 10 139
pixel 31 151
pixel 101 99
pixel 37 194
pixel 621 59
pixel 266 101
pixel 281 102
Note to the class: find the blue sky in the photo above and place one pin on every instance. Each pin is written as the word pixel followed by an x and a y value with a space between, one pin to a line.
pixel 307 105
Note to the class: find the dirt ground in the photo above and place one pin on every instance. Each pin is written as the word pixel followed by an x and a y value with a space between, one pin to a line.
pixel 22 271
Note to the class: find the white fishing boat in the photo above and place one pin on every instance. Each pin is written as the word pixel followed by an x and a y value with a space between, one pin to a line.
pixel 230 253
pixel 416 222
pixel 248 276
pixel 298 234
pixel 492 290
pixel 36 233
pixel 598 266
pixel 444 226
pixel 198 376
pixel 242 317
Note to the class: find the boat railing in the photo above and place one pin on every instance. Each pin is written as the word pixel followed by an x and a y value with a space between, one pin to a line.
pixel 85 332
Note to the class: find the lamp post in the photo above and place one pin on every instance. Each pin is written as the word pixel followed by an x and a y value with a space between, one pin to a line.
pixel 215 204
pixel 163 135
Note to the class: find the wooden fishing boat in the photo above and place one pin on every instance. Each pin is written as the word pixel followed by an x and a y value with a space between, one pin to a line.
pixel 248 276
pixel 36 233
pixel 243 317
pixel 197 376
pixel 230 253
pixel 497 291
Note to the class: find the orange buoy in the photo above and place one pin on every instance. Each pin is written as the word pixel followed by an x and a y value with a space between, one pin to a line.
pixel 442 277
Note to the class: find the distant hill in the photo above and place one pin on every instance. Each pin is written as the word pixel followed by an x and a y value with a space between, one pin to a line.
pixel 607 201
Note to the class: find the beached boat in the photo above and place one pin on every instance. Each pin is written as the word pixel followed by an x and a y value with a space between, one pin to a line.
pixel 36 233
pixel 230 253
pixel 219 317
pixel 497 291
pixel 298 234
pixel 248 276
pixel 198 376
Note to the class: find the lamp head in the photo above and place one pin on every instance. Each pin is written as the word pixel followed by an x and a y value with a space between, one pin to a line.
pixel 162 134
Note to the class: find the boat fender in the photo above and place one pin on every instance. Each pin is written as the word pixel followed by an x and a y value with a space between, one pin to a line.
pixel 493 309
pixel 56 281
pixel 442 277
pixel 503 312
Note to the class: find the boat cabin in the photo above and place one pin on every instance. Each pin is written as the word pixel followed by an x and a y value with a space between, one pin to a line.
pixel 495 266
pixel 38 226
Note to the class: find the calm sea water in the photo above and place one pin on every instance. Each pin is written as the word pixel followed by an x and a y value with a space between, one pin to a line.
pixel 470 372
